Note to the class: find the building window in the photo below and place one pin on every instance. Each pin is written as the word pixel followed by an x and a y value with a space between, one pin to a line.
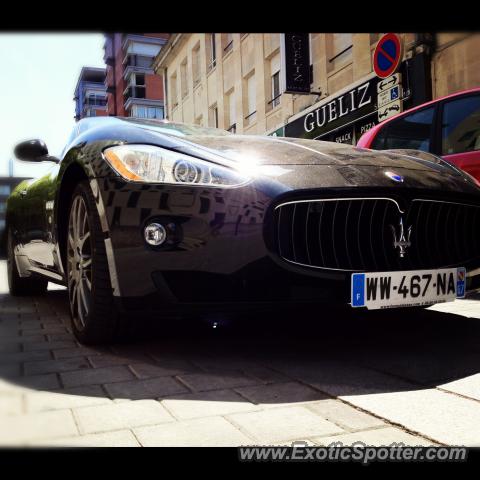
pixel 4 189
pixel 136 88
pixel 173 90
pixel 276 89
pixel 251 100
pixel 231 111
pixel 211 51
pixel 227 42
pixel 3 207
pixel 213 116
pixel 183 78
pixel 340 49
pixel 196 65
pixel 137 80
pixel 143 111
pixel 274 81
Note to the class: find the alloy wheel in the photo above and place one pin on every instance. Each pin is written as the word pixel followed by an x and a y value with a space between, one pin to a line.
pixel 79 255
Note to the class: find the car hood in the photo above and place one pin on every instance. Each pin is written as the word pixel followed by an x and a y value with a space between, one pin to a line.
pixel 295 151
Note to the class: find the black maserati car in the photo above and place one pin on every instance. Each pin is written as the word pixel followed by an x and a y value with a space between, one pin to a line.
pixel 151 215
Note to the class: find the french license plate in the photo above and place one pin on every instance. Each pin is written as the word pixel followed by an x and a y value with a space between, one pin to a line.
pixel 407 289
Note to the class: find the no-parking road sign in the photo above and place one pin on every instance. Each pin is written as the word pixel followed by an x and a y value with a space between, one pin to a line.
pixel 387 55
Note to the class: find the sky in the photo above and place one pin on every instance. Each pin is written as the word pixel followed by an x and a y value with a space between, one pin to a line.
pixel 40 72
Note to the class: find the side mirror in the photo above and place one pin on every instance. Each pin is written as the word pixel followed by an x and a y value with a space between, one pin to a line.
pixel 34 151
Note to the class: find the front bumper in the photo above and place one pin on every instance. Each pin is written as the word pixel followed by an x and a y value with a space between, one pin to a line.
pixel 219 252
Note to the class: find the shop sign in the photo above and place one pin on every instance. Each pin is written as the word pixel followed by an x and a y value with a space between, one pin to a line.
pixel 295 63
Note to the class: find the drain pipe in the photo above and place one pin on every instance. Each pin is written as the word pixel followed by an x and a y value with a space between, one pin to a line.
pixel 421 67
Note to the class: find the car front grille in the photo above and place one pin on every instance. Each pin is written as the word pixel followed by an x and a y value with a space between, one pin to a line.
pixel 358 234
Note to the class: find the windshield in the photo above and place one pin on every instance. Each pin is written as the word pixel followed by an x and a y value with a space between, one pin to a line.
pixel 177 129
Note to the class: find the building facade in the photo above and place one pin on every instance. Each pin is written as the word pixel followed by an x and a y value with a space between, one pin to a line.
pixel 90 93
pixel 232 81
pixel 133 89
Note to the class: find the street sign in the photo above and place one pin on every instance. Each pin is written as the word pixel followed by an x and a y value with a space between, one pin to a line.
pixel 390 82
pixel 388 96
pixel 387 55
pixel 390 110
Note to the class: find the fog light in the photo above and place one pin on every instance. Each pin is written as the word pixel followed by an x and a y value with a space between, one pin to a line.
pixel 155 234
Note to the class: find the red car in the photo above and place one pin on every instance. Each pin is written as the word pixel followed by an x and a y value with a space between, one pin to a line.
pixel 448 127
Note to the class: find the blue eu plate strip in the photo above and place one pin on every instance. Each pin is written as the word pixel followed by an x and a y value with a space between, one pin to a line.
pixel 461 279
pixel 358 290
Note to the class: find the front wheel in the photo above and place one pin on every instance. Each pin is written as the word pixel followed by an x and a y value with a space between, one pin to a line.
pixel 94 316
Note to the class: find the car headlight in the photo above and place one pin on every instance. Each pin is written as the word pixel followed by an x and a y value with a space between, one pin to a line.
pixel 146 163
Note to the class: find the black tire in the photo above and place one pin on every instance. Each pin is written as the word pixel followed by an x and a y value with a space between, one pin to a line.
pixel 100 322
pixel 21 286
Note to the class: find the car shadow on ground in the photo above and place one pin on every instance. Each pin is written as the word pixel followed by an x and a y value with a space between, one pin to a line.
pixel 267 358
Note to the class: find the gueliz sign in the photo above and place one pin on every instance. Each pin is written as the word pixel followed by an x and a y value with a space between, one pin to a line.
pixel 295 58
pixel 343 118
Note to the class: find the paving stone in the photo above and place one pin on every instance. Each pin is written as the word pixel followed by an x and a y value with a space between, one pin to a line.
pixel 10 404
pixel 10 347
pixel 145 389
pixel 266 375
pixel 225 364
pixel 205 432
pixel 20 429
pixel 44 331
pixel 344 415
pixel 59 337
pixel 378 437
pixel 121 438
pixel 342 378
pixel 28 347
pixel 121 415
pixel 40 382
pixel 96 376
pixel 10 371
pixel 48 366
pixel 110 360
pixel 207 404
pixel 24 357
pixel 28 324
pixel 44 401
pixel 297 443
pixel 24 339
pixel 216 381
pixel 441 416
pixel 75 352
pixel 278 394
pixel 283 424
pixel 427 367
pixel 150 370
pixel 468 386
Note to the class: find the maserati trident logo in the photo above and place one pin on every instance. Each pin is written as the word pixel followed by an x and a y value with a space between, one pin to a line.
pixel 401 241
pixel 394 176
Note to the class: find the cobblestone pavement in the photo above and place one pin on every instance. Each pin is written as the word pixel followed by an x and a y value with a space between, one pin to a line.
pixel 411 377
